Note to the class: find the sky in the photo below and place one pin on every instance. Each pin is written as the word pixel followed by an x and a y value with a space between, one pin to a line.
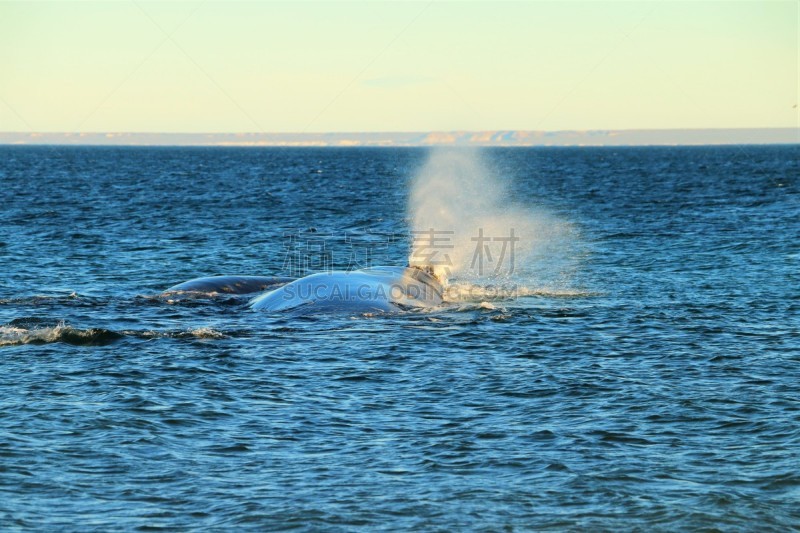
pixel 258 66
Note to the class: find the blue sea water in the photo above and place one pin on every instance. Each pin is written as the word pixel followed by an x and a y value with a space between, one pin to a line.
pixel 647 380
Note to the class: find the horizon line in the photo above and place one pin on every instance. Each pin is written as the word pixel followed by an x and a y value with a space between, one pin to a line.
pixel 453 138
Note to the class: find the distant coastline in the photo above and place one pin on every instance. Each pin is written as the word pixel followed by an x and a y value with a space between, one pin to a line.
pixel 642 137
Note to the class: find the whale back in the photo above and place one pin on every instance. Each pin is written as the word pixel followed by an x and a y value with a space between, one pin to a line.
pixel 377 289
pixel 228 285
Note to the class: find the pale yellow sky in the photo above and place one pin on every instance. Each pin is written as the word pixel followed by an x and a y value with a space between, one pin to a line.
pixel 256 66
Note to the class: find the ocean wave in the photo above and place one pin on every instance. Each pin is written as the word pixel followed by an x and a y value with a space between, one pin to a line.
pixel 32 331
pixel 11 335
pixel 192 333
pixel 73 299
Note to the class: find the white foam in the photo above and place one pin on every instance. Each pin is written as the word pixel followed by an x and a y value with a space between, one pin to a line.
pixel 206 333
pixel 12 335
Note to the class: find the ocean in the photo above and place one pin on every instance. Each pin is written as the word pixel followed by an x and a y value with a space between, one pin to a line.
pixel 637 369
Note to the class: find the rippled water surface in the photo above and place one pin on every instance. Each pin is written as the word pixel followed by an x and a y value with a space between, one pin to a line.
pixel 649 378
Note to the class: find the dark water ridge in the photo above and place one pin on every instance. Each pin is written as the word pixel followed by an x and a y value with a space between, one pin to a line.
pixel 643 376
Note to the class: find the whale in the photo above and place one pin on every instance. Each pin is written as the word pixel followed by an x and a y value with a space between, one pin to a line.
pixel 213 285
pixel 375 289
pixel 379 289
